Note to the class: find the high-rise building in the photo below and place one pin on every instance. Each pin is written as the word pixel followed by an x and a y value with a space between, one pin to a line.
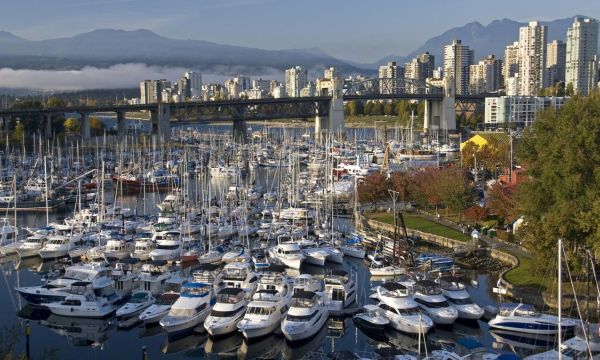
pixel 510 67
pixel 418 70
pixel 582 57
pixel 390 78
pixel 244 82
pixel 532 58
pixel 184 86
pixel 309 90
pixel 296 79
pixel 233 88
pixel 457 59
pixel 486 76
pixel 556 53
pixel 261 84
pixel 331 84
pixel 195 84
pixel 151 90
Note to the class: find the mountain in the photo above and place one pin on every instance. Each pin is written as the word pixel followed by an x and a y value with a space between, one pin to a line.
pixel 485 40
pixel 107 47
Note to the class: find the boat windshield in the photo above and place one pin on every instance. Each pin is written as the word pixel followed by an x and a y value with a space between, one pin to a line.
pixel 259 310
pixel 466 301
pixel 225 314
pixel 302 302
pixel 301 318
pixel 139 298
pixel 433 304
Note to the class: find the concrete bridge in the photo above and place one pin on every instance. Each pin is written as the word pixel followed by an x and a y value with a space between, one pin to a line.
pixel 327 111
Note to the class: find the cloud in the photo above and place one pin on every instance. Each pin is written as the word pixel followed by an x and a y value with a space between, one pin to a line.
pixel 114 77
pixel 117 76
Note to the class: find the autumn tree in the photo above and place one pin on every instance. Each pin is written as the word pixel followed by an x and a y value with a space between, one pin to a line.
pixel 96 126
pixel 72 125
pixel 373 189
pixel 18 133
pixel 454 189
pixel 402 182
pixel 501 200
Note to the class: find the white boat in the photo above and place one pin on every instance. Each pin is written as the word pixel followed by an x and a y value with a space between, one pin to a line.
pixel 159 309
pixel 353 250
pixel 306 316
pixel 153 276
pixel 211 257
pixel 371 319
pixel 125 275
pixel 227 312
pixel 56 247
pixel 458 297
pixel 138 302
pixel 264 313
pixel 83 301
pixel 289 254
pixel 306 282
pixel 390 270
pixel 56 290
pixel 31 246
pixel 399 307
pixel 313 254
pixel 240 275
pixel 118 249
pixel 143 247
pixel 190 310
pixel 429 296
pixel 340 290
pixel 524 318
pixel 232 254
pixel 168 245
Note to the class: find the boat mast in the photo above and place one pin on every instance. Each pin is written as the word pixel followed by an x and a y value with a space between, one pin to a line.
pixel 559 299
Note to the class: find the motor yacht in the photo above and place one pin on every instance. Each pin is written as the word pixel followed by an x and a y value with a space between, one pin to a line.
pixel 159 309
pixel 143 247
pixel 56 290
pixel 306 316
pixel 371 319
pixel 126 274
pixel 118 249
pixel 306 282
pixel 153 276
pixel 455 292
pixel 85 301
pixel 264 313
pixel 31 246
pixel 56 247
pixel 227 312
pixel 190 310
pixel 353 250
pixel 232 254
pixel 168 245
pixel 399 307
pixel 138 302
pixel 260 260
pixel 340 290
pixel 313 254
pixel 289 254
pixel 240 275
pixel 525 319
pixel 429 296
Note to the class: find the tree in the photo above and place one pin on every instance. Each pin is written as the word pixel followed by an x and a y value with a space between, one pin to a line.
pixel 96 126
pixel 388 108
pixel 18 132
pixel 569 91
pixel 402 182
pixel 373 189
pixel 354 108
pixel 377 108
pixel 501 201
pixel 475 213
pixel 561 198
pixel 368 108
pixel 72 125
pixel 454 189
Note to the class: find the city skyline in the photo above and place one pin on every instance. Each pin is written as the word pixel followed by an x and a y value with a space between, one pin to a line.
pixel 266 24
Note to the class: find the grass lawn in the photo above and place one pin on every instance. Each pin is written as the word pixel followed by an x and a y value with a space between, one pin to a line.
pixel 416 222
pixel 524 274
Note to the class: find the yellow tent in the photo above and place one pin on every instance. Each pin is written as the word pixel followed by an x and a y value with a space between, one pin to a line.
pixel 491 138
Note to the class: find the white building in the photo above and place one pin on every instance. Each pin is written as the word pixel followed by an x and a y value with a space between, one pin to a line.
pixel 486 76
pixel 390 78
pixel 532 58
pixel 510 65
pixel 195 84
pixel 277 91
pixel 582 58
pixel 331 84
pixel 556 56
pixel 296 79
pixel 457 59
pixel 255 93
pixel 519 110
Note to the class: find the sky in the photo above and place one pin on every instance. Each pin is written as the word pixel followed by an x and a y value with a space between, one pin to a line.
pixel 358 30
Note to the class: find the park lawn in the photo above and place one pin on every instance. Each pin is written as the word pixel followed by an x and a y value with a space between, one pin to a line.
pixel 524 274
pixel 419 223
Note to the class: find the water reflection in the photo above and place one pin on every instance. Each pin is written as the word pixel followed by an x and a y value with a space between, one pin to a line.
pixel 79 331
pixel 522 343
pixel 190 342
pixel 224 345
pixel 299 349
pixel 264 348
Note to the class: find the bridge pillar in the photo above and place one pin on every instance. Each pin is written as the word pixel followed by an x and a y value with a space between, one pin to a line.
pixel 47 121
pixel 85 125
pixel 334 122
pixel 240 131
pixel 441 114
pixel 121 125
pixel 161 122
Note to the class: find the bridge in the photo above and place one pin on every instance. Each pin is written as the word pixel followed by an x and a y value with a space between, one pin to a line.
pixel 326 110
